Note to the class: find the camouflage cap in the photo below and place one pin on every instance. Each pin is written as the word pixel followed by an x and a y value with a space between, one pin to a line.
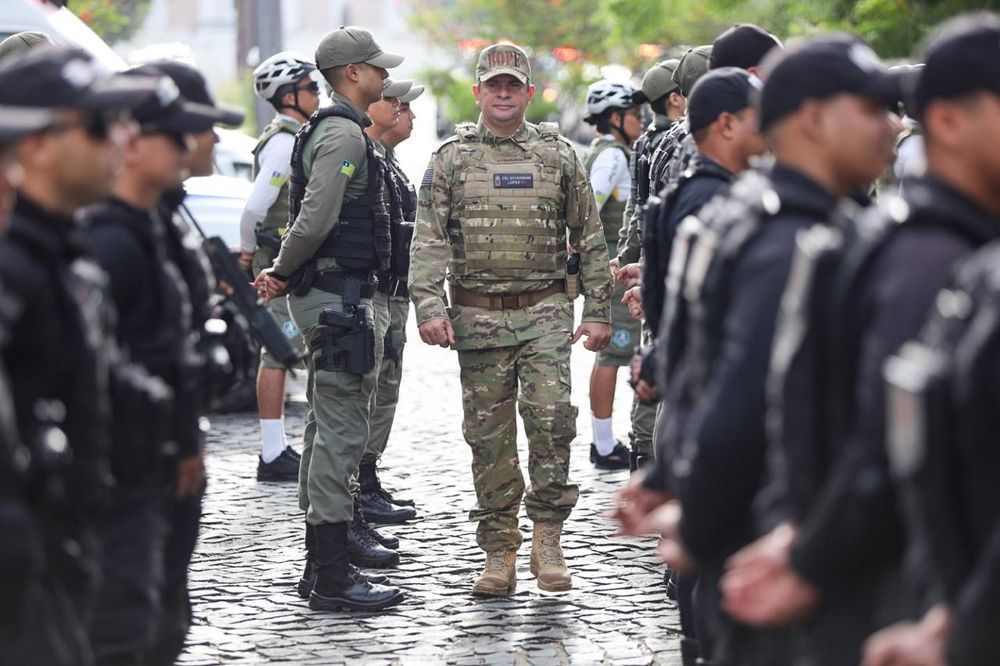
pixel 658 80
pixel 348 45
pixel 415 92
pixel 396 89
pixel 500 59
pixel 691 67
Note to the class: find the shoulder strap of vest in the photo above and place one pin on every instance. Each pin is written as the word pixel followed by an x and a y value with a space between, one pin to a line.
pixel 38 241
pixel 466 132
pixel 548 131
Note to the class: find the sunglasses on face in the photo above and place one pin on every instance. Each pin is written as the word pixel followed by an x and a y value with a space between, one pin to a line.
pixel 178 139
pixel 312 87
pixel 98 125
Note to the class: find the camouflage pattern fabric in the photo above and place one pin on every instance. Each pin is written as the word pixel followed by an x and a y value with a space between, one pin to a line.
pixel 439 248
pixel 494 217
pixel 490 379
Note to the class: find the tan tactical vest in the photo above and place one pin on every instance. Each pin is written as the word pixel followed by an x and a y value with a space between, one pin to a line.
pixel 613 210
pixel 277 214
pixel 509 211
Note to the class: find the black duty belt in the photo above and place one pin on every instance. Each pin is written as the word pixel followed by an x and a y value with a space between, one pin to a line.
pixel 340 282
pixel 392 285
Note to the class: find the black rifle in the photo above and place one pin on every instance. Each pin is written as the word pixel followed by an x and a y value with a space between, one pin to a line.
pixel 260 322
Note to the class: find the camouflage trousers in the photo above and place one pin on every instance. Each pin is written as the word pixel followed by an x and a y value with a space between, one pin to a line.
pixel 490 380
pixel 643 417
pixel 383 410
pixel 336 430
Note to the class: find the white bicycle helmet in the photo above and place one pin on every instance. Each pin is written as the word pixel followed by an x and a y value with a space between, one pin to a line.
pixel 281 69
pixel 604 95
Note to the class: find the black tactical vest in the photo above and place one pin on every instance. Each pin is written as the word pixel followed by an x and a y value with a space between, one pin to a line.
pixel 814 362
pixel 361 240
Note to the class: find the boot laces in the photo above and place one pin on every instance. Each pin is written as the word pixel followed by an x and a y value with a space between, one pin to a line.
pixel 549 550
pixel 496 561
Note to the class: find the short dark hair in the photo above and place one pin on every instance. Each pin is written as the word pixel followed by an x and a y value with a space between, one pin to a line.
pixel 334 75
pixel 659 105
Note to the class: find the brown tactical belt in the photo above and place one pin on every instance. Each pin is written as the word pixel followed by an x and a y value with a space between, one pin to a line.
pixel 460 296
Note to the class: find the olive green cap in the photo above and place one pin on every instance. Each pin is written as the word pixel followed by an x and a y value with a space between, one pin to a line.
pixel 415 92
pixel 500 59
pixel 348 45
pixel 396 89
pixel 658 80
pixel 691 67
pixel 20 42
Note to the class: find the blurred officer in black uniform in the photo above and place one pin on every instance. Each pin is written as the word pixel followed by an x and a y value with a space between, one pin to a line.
pixel 54 351
pixel 21 551
pixel 836 558
pixel 153 329
pixel 201 369
pixel 724 124
pixel 822 110
pixel 841 567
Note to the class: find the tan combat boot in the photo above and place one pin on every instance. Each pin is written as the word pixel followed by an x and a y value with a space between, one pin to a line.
pixel 499 577
pixel 547 563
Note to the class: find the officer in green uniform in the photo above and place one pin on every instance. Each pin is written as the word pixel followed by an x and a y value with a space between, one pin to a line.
pixel 387 115
pixel 613 111
pixel 285 81
pixel 337 242
pixel 497 206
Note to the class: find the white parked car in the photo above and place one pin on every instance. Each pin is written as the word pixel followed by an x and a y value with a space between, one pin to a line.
pixel 217 203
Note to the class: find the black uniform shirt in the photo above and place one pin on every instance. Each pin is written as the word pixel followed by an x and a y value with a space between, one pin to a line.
pixel 722 456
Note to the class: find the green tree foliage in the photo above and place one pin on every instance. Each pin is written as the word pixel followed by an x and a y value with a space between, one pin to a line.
pixel 611 31
pixel 113 20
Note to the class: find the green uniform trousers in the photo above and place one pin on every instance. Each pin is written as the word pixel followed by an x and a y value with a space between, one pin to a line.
pixel 643 417
pixel 339 410
pixel 490 380
pixel 389 376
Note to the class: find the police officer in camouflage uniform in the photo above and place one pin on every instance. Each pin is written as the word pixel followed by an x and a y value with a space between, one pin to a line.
pixel 377 504
pixel 497 205
pixel 283 80
pixel 338 241
pixel 613 111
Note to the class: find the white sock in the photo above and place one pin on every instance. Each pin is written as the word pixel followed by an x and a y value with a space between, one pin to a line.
pixel 272 435
pixel 604 438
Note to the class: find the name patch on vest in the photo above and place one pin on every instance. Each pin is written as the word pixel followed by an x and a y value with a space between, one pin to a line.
pixel 513 181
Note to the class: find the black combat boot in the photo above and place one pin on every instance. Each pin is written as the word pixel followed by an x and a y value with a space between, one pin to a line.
pixel 308 578
pixel 368 478
pixel 384 538
pixel 690 652
pixel 338 586
pixel 364 549
pixel 637 461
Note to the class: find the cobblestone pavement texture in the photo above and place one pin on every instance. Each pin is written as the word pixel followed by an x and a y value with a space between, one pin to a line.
pixel 250 554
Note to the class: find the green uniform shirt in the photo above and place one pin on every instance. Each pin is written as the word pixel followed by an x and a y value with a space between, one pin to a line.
pixel 336 164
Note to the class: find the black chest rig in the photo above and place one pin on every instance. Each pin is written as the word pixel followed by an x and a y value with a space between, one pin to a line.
pixel 362 239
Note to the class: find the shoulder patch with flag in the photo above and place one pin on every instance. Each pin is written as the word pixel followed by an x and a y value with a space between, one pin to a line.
pixel 348 168
pixel 278 179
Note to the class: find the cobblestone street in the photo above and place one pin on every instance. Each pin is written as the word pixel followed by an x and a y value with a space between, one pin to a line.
pixel 250 554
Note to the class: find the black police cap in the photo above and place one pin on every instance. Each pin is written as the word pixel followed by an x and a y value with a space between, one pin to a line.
pixel 744 45
pixel 18 121
pixel 963 57
pixel 63 77
pixel 822 68
pixel 725 90
pixel 194 89
pixel 168 111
